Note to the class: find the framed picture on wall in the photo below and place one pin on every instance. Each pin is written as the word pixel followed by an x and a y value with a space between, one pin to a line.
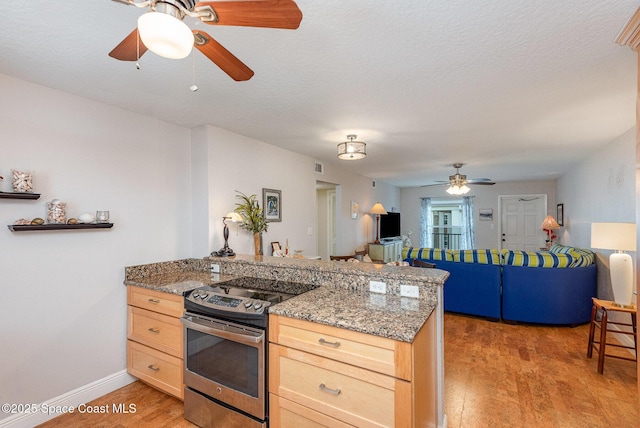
pixel 560 214
pixel 485 214
pixel 272 204
pixel 354 209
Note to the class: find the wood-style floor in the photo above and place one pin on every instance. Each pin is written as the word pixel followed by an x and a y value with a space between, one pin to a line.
pixel 496 375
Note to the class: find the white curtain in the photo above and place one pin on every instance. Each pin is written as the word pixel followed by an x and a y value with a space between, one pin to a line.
pixel 467 238
pixel 426 223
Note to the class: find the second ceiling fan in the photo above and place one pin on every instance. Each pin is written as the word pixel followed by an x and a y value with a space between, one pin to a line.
pixel 162 29
pixel 458 182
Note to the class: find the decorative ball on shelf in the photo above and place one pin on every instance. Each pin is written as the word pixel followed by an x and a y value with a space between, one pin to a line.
pixel 86 218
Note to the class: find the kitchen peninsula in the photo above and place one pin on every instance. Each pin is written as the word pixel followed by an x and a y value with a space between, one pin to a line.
pixel 379 355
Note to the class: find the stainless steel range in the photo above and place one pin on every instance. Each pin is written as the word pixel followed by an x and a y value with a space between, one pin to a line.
pixel 225 351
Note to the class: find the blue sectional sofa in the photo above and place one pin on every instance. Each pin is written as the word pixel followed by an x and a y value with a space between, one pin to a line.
pixel 547 287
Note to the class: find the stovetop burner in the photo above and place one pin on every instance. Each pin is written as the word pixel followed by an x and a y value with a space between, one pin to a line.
pixel 242 299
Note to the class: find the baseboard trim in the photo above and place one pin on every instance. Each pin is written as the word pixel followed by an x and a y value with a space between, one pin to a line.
pixel 81 395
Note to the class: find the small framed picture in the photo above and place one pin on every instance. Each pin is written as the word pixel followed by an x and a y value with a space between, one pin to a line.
pixel 275 246
pixel 354 209
pixel 485 214
pixel 272 204
pixel 560 214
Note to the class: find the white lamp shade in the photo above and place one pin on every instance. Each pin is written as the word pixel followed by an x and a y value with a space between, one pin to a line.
pixel 234 217
pixel 165 35
pixel 614 236
pixel 377 208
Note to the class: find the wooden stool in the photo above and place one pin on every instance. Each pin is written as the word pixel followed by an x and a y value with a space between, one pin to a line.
pixel 606 306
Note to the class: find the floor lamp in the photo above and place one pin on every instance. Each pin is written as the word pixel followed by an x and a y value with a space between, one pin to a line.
pixel 377 209
pixel 620 237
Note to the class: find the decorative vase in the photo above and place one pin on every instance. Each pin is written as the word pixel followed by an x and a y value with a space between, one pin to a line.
pixel 257 243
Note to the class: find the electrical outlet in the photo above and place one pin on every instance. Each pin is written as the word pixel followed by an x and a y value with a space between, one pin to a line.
pixel 377 287
pixel 409 290
pixel 215 268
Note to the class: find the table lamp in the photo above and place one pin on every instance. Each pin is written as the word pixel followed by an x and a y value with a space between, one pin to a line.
pixel 620 237
pixel 549 224
pixel 226 251
pixel 377 209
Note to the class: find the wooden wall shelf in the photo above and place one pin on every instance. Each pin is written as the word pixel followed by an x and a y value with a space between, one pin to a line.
pixel 31 227
pixel 19 195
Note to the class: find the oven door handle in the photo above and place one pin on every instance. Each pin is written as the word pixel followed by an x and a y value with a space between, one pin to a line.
pixel 209 328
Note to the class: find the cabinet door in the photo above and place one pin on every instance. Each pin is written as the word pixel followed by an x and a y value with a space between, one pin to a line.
pixel 157 301
pixel 155 330
pixel 350 394
pixel 284 413
pixel 156 368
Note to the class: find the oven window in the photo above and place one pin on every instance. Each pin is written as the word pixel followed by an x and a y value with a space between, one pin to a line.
pixel 223 361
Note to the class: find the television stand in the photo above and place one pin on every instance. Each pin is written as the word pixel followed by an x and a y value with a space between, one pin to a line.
pixel 386 251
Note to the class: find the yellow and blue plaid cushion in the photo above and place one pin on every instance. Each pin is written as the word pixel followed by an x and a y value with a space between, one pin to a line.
pixel 537 259
pixel 427 254
pixel 485 257
pixel 581 256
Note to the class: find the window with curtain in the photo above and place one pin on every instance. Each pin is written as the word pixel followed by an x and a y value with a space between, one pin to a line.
pixel 447 223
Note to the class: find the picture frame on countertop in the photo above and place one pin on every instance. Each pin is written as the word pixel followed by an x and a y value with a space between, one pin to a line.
pixel 560 214
pixel 275 246
pixel 272 204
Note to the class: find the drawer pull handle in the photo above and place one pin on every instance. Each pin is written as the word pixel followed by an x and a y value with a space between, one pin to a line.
pixel 154 368
pixel 153 330
pixel 329 390
pixel 324 342
pixel 155 301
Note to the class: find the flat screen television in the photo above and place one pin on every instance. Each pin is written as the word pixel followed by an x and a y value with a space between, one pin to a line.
pixel 390 225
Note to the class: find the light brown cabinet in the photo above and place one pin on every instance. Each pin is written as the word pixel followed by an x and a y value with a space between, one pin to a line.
pixel 326 376
pixel 155 338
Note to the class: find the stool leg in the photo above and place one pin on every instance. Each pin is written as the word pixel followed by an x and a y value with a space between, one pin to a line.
pixel 603 341
pixel 592 330
pixel 635 333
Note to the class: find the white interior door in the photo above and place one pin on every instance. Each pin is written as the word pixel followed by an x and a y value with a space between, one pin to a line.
pixel 520 220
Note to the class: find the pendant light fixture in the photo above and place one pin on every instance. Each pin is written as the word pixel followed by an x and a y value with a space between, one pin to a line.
pixel 352 150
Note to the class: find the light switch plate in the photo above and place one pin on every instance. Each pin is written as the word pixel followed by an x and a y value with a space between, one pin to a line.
pixel 215 268
pixel 377 287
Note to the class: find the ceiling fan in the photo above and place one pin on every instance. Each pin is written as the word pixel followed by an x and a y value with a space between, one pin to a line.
pixel 458 182
pixel 162 29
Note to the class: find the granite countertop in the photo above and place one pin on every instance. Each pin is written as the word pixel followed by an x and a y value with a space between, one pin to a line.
pixel 177 282
pixel 385 315
pixel 341 298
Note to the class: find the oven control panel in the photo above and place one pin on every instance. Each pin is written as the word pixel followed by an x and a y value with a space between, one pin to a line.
pixel 210 299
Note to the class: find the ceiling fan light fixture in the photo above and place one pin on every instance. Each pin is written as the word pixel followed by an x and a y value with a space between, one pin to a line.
pixel 165 34
pixel 457 189
pixel 352 150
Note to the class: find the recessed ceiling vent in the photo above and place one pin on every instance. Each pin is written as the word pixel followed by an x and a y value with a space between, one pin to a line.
pixel 318 168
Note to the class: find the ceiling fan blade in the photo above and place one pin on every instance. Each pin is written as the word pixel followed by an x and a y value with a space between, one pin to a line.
pixel 224 59
pixel 130 49
pixel 485 183
pixel 257 13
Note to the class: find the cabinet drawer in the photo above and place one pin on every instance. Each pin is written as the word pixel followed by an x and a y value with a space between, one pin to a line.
pixel 155 368
pixel 287 414
pixel 363 350
pixel 155 330
pixel 350 394
pixel 157 301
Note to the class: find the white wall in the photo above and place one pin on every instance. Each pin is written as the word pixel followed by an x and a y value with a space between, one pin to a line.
pixel 600 189
pixel 486 197
pixel 63 305
pixel 63 311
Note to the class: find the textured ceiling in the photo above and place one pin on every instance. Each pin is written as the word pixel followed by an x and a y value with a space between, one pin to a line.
pixel 515 90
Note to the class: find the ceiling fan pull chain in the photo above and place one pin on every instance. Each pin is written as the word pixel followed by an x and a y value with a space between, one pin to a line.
pixel 193 87
pixel 137 51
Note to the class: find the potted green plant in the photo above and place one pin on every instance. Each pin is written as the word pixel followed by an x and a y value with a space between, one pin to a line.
pixel 252 218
